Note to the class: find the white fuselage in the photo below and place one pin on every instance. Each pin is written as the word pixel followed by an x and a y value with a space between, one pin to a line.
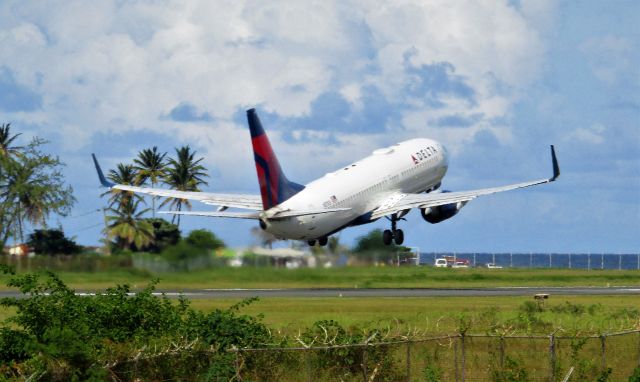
pixel 412 166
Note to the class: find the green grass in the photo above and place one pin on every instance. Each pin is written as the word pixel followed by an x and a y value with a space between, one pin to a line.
pixel 351 277
pixel 437 315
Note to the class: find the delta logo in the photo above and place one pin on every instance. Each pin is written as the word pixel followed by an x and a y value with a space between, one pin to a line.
pixel 423 154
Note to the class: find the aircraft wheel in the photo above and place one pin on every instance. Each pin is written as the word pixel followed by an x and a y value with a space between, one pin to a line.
pixel 387 236
pixel 398 237
pixel 311 243
pixel 323 241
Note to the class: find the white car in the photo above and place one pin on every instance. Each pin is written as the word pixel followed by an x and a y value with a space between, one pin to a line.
pixel 493 266
pixel 441 263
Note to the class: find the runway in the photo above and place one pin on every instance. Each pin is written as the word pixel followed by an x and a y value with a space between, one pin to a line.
pixel 383 292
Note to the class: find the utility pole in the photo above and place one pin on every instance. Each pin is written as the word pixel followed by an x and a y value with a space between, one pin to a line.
pixel 107 246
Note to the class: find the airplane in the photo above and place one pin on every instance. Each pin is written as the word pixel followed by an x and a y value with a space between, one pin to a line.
pixel 388 183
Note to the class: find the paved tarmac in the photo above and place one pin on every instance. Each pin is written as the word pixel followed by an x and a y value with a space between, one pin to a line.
pixel 386 292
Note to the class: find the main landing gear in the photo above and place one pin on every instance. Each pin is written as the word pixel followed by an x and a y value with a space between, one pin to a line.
pixel 322 241
pixel 393 234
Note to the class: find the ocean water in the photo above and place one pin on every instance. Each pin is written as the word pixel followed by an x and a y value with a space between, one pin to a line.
pixel 543 260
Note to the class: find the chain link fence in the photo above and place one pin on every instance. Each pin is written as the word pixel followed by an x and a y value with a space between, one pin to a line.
pixel 611 357
pixel 589 261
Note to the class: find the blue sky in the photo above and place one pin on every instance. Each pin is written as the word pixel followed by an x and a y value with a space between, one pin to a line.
pixel 495 82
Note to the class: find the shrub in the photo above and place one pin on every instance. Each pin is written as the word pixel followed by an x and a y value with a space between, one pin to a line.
pixel 52 242
pixel 73 337
pixel 202 238
pixel 165 235
pixel 513 371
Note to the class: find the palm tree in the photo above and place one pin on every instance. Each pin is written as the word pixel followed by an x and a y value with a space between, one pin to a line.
pixel 184 174
pixel 150 165
pixel 6 150
pixel 123 174
pixel 127 227
pixel 34 186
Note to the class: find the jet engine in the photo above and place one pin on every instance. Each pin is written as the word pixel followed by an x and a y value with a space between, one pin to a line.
pixel 440 213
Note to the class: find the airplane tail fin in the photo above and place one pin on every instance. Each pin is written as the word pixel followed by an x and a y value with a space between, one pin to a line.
pixel 275 188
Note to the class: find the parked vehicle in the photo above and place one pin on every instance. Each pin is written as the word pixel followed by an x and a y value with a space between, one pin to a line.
pixel 441 263
pixel 451 262
pixel 463 263
pixel 493 266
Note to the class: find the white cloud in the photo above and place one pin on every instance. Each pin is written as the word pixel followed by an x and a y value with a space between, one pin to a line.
pixel 611 59
pixel 124 66
pixel 593 134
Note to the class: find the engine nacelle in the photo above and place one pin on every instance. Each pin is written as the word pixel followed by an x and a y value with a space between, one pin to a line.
pixel 437 214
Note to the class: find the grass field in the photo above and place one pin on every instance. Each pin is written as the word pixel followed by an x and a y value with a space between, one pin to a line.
pixel 437 315
pixel 351 277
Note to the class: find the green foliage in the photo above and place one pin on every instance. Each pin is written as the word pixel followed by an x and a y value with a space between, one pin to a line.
pixel 165 235
pixel 432 373
pixel 183 173
pixel 350 360
pixel 635 376
pixel 183 251
pixel 513 371
pixel 569 308
pixel 128 228
pixel 370 247
pixel 52 242
pixel 530 307
pixel 73 337
pixel 204 239
pixel 15 345
pixel 32 186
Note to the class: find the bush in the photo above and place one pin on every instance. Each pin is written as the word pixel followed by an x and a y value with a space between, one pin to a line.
pixel 202 238
pixel 73 337
pixel 52 242
pixel 513 371
pixel 165 235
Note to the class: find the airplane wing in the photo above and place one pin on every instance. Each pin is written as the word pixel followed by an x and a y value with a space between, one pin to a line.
pixel 400 202
pixel 270 214
pixel 250 202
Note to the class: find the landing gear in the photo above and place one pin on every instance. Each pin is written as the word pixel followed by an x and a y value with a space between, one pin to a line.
pixel 322 241
pixel 393 234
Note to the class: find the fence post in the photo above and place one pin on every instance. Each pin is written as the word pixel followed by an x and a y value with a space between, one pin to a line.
pixel 638 347
pixel 455 358
pixel 603 339
pixel 308 362
pixel 552 357
pixel 364 364
pixel 237 364
pixel 501 343
pixel 408 361
pixel 462 356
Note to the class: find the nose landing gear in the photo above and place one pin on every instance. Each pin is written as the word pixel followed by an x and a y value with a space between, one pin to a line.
pixel 394 234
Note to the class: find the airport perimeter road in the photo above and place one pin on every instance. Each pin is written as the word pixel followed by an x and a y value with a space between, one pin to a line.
pixel 384 292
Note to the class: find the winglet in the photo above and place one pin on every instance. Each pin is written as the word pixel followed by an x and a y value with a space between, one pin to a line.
pixel 556 168
pixel 103 180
